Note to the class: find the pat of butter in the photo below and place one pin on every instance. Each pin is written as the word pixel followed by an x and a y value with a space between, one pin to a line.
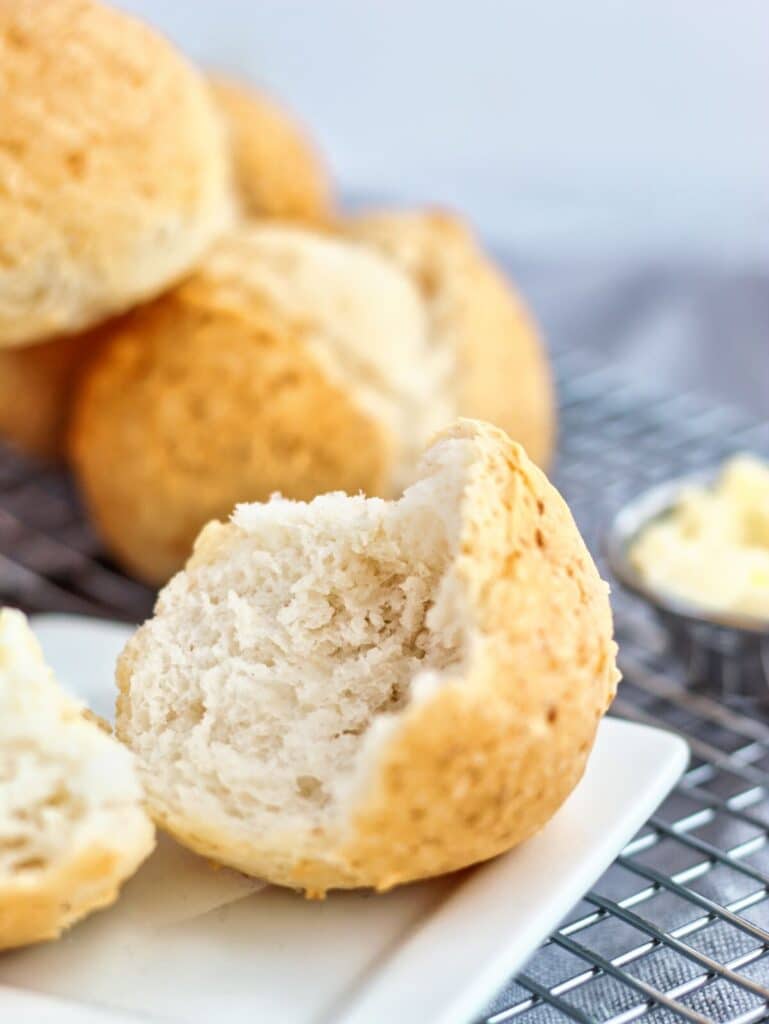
pixel 712 548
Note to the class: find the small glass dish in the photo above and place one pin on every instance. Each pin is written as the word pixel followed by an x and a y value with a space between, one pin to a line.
pixel 725 650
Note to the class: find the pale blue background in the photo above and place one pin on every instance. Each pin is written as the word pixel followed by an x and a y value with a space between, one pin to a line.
pixel 615 153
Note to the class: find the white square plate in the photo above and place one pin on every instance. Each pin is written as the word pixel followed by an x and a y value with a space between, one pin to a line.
pixel 191 945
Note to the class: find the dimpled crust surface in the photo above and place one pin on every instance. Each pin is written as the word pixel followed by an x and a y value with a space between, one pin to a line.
pixel 486 761
pixel 278 172
pixel 483 758
pixel 114 173
pixel 502 373
pixel 72 824
pixel 36 388
pixel 203 398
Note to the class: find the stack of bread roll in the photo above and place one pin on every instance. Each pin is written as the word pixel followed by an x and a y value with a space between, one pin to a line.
pixel 392 659
pixel 187 318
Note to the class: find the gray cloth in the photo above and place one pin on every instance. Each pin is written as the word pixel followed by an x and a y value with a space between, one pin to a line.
pixel 689 328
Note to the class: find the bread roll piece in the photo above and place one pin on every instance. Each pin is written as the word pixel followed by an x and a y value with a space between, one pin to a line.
pixel 476 315
pixel 37 383
pixel 278 172
pixel 289 362
pixel 356 692
pixel 72 824
pixel 114 171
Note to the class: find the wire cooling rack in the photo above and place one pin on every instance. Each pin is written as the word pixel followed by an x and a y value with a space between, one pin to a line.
pixel 678 927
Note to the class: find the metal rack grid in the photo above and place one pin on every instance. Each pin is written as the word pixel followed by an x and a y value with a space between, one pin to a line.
pixel 678 927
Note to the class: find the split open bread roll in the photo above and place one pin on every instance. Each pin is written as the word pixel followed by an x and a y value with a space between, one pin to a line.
pixel 278 172
pixel 72 824
pixel 354 692
pixel 290 361
pixel 114 170
pixel 501 369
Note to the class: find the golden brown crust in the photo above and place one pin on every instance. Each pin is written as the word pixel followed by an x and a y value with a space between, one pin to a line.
pixel 485 760
pixel 36 387
pixel 278 172
pixel 114 173
pixel 503 373
pixel 204 398
pixel 35 909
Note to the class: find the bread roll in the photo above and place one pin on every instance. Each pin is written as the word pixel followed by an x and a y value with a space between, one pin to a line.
pixel 72 825
pixel 502 372
pixel 289 362
pixel 114 172
pixel 356 692
pixel 36 387
pixel 278 172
